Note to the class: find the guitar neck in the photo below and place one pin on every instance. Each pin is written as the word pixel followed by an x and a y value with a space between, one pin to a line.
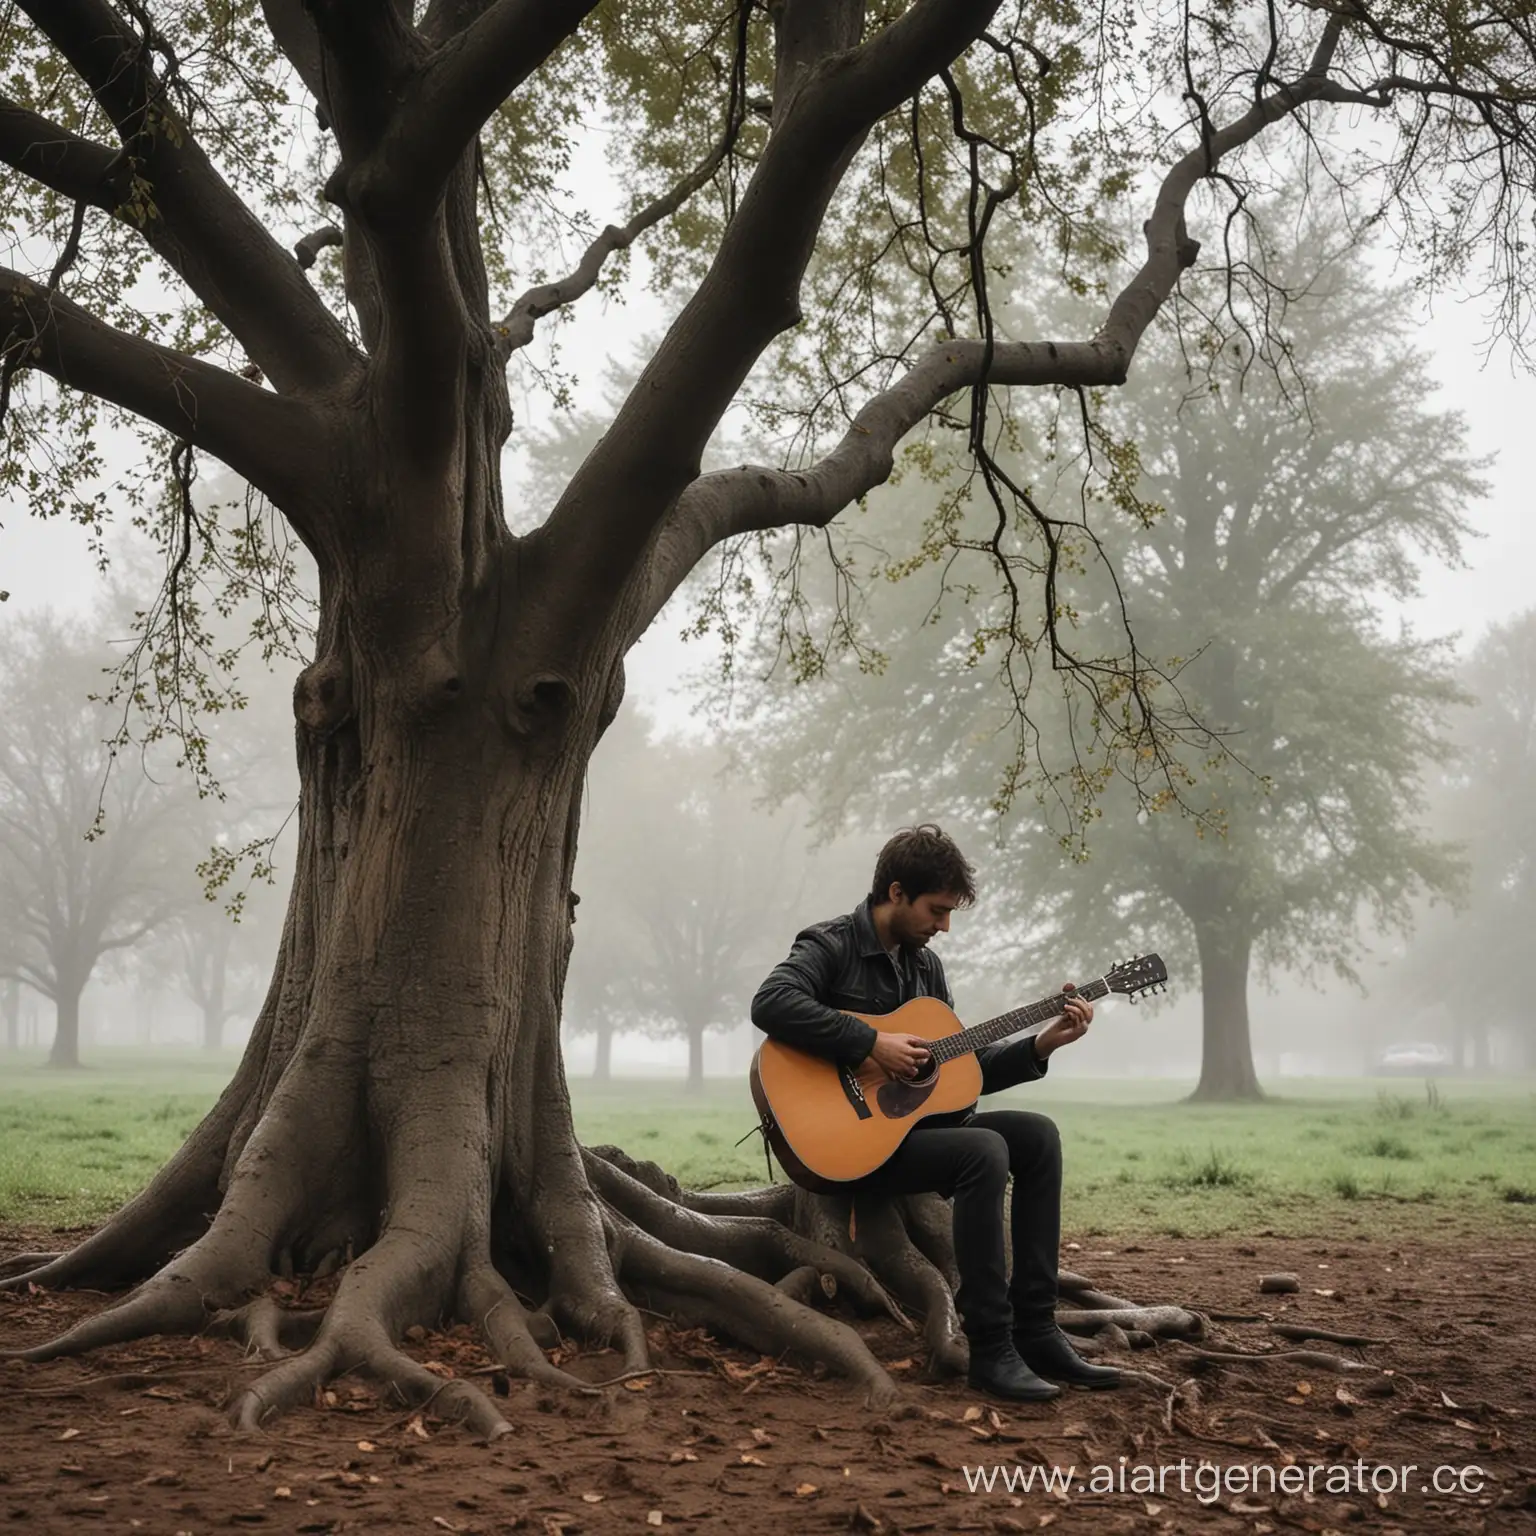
pixel 1033 1016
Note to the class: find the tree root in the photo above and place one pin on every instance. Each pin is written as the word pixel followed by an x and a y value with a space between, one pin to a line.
pixel 698 1291
pixel 267 1330
pixel 1163 1322
pixel 19 1263
pixel 1300 1332
pixel 1310 1359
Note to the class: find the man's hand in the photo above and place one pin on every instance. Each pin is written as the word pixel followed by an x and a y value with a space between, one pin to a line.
pixel 900 1055
pixel 1072 1025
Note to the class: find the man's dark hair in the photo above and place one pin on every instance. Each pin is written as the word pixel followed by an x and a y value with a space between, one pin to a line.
pixel 922 859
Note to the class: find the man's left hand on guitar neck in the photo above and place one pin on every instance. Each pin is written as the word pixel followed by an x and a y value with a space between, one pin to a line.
pixel 1072 1025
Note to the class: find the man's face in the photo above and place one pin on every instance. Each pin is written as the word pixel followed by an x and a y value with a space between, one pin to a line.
pixel 916 921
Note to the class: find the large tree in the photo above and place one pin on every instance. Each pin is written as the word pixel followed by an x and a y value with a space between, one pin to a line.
pixel 1279 507
pixel 91 863
pixel 825 178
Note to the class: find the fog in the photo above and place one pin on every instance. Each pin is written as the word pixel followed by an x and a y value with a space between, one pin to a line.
pixel 688 847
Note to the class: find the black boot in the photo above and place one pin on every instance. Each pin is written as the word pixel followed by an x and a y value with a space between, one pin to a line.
pixel 996 1368
pixel 1052 1356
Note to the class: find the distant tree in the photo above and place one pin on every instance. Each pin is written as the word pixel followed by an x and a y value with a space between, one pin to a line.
pixel 687 889
pixel 1485 802
pixel 90 864
pixel 1274 500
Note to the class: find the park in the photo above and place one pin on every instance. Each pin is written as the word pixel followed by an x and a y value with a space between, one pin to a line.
pixel 512 511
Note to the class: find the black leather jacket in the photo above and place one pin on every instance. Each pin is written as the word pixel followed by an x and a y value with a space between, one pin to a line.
pixel 838 968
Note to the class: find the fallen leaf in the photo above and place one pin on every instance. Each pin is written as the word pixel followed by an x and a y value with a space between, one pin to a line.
pixel 438 1369
pixel 1463 1424
pixel 1317 1292
pixel 1304 1387
pixel 805 1490
pixel 899 1365
pixel 69 1434
pixel 678 1456
pixel 654 1517
pixel 1153 1509
pixel 166 1395
pixel 640 1384
pixel 762 1437
pixel 971 1414
pixel 446 1525
pixel 366 1445
pixel 417 1428
pixel 1344 1395
pixel 1448 1403
pixel 591 1498
pixel 753 1461
pixel 282 1493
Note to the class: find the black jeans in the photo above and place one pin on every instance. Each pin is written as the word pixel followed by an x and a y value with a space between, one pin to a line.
pixel 971 1163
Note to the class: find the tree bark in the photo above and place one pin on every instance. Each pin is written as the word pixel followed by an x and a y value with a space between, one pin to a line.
pixel 65 1050
pixel 1226 1057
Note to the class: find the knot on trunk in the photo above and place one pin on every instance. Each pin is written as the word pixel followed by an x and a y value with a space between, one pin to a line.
pixel 322 696
pixel 541 703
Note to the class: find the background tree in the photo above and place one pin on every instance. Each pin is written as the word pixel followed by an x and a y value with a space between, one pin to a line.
pixel 1484 802
pixel 89 864
pixel 688 890
pixel 823 183
pixel 1278 504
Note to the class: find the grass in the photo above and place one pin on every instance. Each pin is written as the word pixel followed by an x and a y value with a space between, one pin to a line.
pixel 1325 1154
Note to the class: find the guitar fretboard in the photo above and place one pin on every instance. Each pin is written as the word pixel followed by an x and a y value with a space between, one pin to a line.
pixel 1006 1024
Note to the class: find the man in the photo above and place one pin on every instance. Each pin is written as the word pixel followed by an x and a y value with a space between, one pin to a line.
pixel 872 961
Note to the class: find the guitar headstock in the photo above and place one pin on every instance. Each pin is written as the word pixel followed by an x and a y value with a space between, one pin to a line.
pixel 1141 973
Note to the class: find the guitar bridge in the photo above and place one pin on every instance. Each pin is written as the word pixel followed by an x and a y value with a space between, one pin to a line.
pixel 853 1090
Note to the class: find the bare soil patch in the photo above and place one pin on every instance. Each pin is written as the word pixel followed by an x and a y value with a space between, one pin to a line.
pixel 134 1438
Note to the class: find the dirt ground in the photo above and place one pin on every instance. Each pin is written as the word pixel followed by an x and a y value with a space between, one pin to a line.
pixel 133 1439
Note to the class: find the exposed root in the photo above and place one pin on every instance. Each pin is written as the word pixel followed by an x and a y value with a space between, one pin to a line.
pixel 267 1330
pixel 775 1200
pixel 697 1291
pixel 1300 1332
pixel 757 1245
pixel 1158 1322
pixel 882 1239
pixel 1311 1359
pixel 296 1380
pixel 807 1286
pixel 20 1263
pixel 171 1303
pixel 488 1302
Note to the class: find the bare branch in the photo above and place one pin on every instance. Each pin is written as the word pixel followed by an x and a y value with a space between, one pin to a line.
pixel 258 434
pixel 308 249
pixel 194 219
pixel 517 329
pixel 77 168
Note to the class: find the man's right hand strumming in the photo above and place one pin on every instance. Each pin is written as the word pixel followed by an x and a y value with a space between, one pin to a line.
pixel 900 1055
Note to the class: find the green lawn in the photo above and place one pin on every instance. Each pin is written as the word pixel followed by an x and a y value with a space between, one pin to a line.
pixel 1320 1155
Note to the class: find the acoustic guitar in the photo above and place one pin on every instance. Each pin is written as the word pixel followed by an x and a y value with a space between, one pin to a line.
pixel 829 1123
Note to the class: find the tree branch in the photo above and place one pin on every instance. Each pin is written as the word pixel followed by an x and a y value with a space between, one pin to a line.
pixel 268 439
pixel 755 498
pixel 749 295
pixel 461 85
pixel 194 218
pixel 517 329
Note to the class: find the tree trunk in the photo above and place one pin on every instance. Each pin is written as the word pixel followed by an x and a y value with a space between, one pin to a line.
pixel 10 1004
pixel 1226 1056
pixel 695 1058
pixel 65 1051
pixel 602 1067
